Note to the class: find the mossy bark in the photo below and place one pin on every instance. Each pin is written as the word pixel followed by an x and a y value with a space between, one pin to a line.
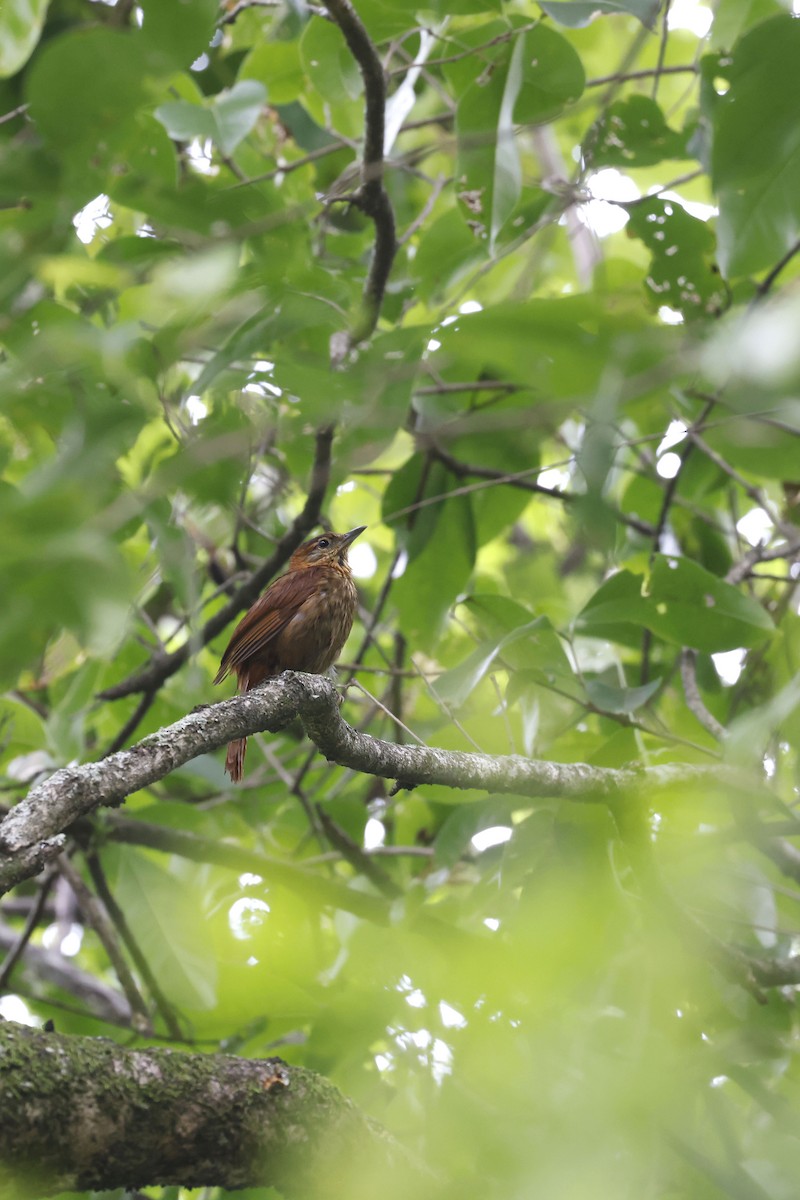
pixel 86 1113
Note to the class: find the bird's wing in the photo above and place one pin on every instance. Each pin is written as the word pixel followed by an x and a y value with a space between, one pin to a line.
pixel 270 614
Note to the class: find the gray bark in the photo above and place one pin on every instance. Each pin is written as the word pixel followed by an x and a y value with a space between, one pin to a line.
pixel 29 833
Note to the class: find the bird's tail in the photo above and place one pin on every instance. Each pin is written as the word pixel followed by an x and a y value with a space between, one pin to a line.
pixel 234 759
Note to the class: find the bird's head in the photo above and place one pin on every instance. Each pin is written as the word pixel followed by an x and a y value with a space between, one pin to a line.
pixel 327 549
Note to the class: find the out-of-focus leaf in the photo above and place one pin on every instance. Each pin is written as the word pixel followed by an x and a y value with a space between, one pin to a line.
pixel 455 686
pixel 227 119
pixel 620 699
pixel 552 75
pixel 577 13
pixel 89 115
pixel 488 159
pixel 683 274
pixel 176 34
pixel 328 65
pixel 278 66
pixel 634 133
pixel 530 80
pixel 434 578
pixel 751 733
pixel 163 917
pixel 540 650
pixel 461 825
pixel 755 161
pixel 20 26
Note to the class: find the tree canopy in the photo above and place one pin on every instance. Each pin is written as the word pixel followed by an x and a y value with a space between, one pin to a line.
pixel 515 285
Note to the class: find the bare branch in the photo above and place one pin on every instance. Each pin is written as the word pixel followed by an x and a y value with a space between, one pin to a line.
pixel 768 280
pixel 693 698
pixel 48 966
pixel 16 951
pixel 96 918
pixel 371 196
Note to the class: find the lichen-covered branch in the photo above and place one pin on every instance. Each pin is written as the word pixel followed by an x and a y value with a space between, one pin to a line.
pixel 26 833
pixel 84 1114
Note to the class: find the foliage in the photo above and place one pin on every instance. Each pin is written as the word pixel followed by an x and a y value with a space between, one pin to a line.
pixel 577 457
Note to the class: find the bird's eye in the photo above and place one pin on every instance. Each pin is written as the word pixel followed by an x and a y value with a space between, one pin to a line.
pixel 323 543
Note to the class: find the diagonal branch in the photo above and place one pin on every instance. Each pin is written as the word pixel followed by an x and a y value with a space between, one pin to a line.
pixel 163 666
pixel 72 792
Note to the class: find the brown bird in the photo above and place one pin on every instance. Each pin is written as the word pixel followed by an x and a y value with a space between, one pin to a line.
pixel 299 624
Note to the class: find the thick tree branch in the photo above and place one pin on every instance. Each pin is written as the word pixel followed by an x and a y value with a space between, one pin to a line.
pixel 163 666
pixel 72 792
pixel 84 1114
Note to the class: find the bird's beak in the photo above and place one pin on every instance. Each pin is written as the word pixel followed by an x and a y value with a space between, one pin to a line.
pixel 347 538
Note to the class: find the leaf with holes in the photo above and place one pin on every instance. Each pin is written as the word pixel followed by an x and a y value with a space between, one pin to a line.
pixel 633 133
pixel 683 274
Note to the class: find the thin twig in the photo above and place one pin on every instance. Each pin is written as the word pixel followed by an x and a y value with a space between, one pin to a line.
pixel 96 918
pixel 694 700
pixel 629 76
pixel 357 856
pixel 15 112
pixel 118 917
pixel 163 666
pixel 132 723
pixel 768 280
pixel 438 184
pixel 31 921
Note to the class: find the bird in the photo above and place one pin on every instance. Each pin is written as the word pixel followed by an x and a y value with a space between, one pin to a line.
pixel 300 623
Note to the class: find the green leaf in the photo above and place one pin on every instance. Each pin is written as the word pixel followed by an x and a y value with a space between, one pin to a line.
pixel 278 66
pixel 556 348
pixel 456 685
pixel 404 502
pixel 21 729
pixel 21 24
pixel 488 158
pixel 680 602
pixel 755 162
pixel 163 915
pixel 328 65
pixel 88 116
pixel 434 578
pixel 460 826
pixel 445 247
pixel 577 13
pixel 752 733
pixel 682 272
pixel 236 112
pixel 227 119
pixel 177 34
pixel 634 133
pixel 529 81
pixel 498 617
pixel 768 451
pixel 614 699
pixel 552 76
